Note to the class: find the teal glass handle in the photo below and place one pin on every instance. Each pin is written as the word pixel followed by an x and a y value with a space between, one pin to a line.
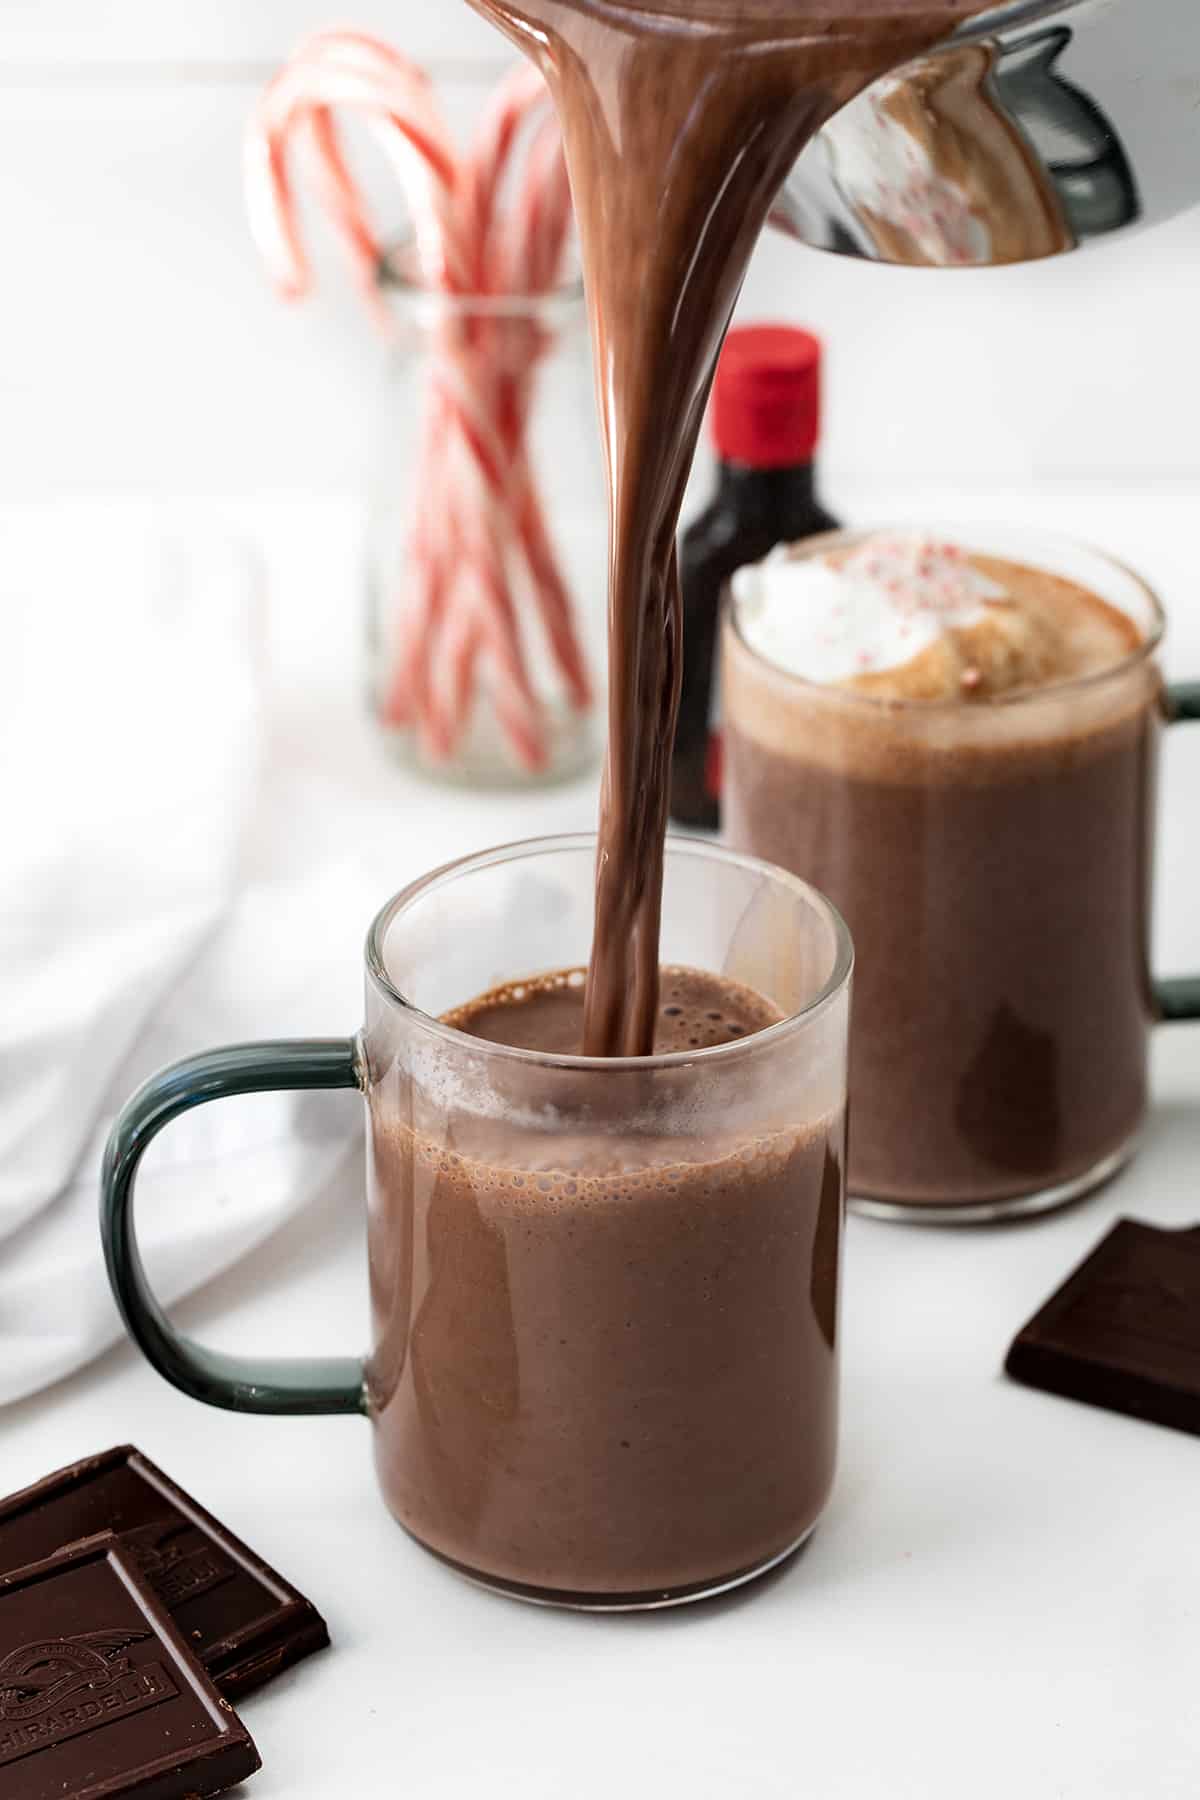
pixel 1179 997
pixel 255 1385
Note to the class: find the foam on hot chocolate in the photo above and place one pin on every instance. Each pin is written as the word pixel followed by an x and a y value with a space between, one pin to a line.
pixel 914 617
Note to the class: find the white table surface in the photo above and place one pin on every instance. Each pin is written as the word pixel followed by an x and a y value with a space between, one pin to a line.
pixel 1004 1598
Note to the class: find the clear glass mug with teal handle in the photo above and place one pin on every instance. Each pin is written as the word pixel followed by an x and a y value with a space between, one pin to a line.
pixel 994 862
pixel 604 1291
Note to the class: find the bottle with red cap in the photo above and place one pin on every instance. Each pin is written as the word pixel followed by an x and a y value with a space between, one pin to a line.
pixel 765 421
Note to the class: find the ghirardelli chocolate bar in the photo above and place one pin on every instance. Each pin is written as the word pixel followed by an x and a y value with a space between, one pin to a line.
pixel 99 1694
pixel 1123 1331
pixel 244 1622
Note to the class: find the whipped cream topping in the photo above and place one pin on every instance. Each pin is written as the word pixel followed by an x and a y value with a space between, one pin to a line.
pixel 833 618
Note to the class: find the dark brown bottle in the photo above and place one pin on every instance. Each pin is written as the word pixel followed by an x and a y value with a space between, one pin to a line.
pixel 765 422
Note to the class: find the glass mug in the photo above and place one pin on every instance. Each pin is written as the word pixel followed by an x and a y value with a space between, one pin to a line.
pixel 604 1291
pixel 994 863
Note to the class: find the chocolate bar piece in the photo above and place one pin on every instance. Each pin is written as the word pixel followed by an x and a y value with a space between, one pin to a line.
pixel 243 1621
pixel 100 1695
pixel 1123 1331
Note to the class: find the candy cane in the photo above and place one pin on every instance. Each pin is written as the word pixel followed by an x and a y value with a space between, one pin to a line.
pixel 522 92
pixel 468 634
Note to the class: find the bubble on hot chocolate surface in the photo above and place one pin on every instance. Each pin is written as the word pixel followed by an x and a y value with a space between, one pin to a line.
pixel 698 1011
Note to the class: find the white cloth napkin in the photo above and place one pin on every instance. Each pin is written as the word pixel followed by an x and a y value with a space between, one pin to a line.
pixel 130 742
pixel 222 1177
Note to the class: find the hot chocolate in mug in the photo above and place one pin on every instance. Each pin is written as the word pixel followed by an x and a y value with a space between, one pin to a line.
pixel 993 858
pixel 604 1291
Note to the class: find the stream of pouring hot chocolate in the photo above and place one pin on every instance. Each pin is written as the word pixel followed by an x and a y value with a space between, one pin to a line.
pixel 681 119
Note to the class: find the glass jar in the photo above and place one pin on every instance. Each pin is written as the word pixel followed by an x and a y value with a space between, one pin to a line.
pixel 486 537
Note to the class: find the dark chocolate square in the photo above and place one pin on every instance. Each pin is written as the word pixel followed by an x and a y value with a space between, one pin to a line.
pixel 1123 1332
pixel 100 1695
pixel 243 1621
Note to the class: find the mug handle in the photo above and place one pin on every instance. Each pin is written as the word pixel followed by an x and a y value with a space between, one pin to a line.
pixel 1179 997
pixel 296 1385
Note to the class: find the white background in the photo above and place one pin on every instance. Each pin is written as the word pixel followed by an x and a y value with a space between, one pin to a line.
pixel 1003 1599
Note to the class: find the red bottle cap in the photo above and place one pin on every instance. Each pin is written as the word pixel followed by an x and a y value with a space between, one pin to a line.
pixel 767 396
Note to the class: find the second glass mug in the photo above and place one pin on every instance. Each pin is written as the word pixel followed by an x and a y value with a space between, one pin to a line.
pixel 604 1291
pixel 993 861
